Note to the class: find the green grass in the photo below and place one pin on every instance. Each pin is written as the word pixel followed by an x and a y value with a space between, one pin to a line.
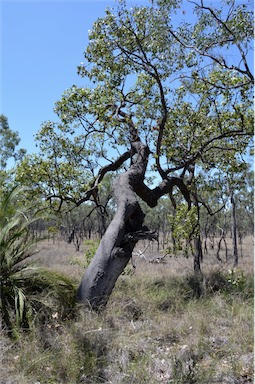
pixel 160 326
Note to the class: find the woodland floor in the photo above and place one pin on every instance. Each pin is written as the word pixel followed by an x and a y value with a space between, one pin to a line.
pixel 161 325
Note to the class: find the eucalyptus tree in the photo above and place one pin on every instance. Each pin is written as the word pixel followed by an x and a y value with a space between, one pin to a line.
pixel 227 206
pixel 161 97
pixel 213 104
pixel 236 181
pixel 9 141
pixel 245 207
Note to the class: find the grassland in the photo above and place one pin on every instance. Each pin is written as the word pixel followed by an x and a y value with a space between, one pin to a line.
pixel 162 325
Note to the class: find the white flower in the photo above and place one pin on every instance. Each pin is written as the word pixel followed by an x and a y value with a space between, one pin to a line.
pixel 55 315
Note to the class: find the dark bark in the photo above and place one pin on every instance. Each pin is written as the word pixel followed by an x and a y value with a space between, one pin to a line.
pixel 234 229
pixel 198 254
pixel 117 244
pixel 126 228
pixel 222 238
pixel 198 251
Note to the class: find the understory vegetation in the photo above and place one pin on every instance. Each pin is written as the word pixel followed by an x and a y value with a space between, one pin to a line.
pixel 163 324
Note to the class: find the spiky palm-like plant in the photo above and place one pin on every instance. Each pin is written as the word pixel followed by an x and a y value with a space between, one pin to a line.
pixel 25 289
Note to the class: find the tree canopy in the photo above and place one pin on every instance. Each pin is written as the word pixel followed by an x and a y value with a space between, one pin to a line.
pixel 183 88
pixel 9 141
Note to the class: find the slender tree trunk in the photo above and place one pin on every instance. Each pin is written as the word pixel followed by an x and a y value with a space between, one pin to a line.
pixel 234 229
pixel 219 246
pixel 198 251
pixel 198 254
pixel 240 236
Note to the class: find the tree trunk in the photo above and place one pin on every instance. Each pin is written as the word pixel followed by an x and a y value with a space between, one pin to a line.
pixel 117 244
pixel 126 227
pixel 198 254
pixel 234 229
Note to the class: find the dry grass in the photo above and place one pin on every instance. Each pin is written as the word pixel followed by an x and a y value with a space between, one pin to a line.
pixel 161 325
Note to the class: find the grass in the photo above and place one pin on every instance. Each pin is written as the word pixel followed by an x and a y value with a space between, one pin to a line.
pixel 162 325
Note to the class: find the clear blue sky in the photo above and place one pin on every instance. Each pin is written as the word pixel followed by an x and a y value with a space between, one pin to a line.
pixel 42 43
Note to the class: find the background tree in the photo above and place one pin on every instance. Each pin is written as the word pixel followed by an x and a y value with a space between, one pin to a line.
pixel 162 98
pixel 9 140
pixel 236 180
pixel 245 207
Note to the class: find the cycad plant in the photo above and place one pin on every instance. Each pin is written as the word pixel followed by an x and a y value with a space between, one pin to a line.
pixel 26 291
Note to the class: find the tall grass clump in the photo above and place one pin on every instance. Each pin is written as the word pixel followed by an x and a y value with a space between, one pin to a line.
pixel 27 292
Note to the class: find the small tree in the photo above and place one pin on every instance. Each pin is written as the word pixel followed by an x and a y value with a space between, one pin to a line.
pixel 9 141
pixel 236 180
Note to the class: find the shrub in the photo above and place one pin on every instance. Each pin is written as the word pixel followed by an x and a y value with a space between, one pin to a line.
pixel 90 249
pixel 26 290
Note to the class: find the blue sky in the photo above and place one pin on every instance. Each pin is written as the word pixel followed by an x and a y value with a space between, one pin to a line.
pixel 42 43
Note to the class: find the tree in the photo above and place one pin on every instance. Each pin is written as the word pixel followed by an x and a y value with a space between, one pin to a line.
pixel 236 180
pixel 9 140
pixel 161 98
pixel 245 208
